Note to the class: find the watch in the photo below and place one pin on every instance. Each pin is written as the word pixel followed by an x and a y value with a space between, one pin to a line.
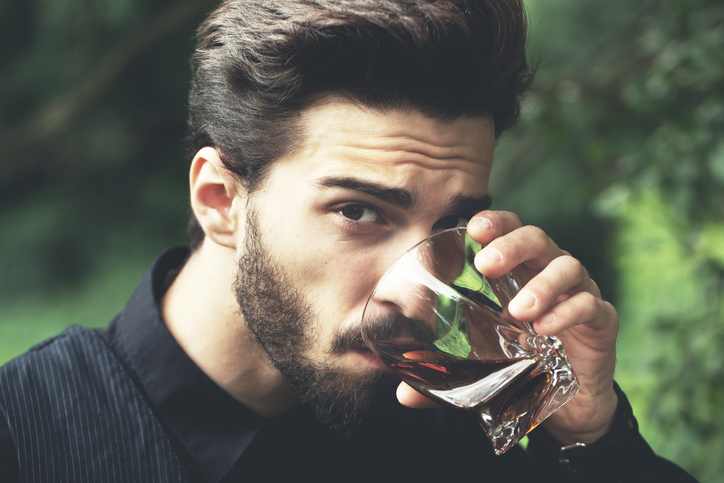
pixel 622 446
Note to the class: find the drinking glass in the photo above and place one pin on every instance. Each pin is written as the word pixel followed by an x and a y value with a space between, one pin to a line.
pixel 444 328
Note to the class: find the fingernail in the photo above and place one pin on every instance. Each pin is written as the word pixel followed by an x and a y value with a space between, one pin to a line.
pixel 524 300
pixel 491 254
pixel 481 223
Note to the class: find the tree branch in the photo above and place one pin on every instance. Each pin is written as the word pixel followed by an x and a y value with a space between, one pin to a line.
pixel 58 115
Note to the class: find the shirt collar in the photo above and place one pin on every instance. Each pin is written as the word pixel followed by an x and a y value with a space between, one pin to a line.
pixel 213 426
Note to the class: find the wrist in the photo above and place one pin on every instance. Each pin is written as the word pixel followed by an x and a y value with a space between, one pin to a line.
pixel 621 440
pixel 588 425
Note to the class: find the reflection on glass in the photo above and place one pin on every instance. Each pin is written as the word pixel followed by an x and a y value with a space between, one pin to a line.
pixel 443 328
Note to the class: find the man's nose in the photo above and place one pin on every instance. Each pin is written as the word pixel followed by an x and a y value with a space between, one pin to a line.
pixel 412 285
pixel 406 290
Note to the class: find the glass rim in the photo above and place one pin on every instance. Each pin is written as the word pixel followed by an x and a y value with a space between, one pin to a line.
pixel 458 229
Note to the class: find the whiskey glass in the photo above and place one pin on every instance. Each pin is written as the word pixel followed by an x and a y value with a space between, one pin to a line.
pixel 443 327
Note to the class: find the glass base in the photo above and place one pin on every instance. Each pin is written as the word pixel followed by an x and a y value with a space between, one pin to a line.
pixel 522 404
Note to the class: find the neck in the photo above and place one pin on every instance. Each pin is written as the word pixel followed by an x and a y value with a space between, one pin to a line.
pixel 202 314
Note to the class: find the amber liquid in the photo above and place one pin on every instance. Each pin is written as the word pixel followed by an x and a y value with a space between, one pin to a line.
pixel 437 374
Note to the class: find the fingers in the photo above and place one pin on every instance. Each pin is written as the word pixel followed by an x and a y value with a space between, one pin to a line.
pixel 528 245
pixel 559 298
pixel 559 294
pixel 581 309
pixel 489 225
pixel 413 399
pixel 563 277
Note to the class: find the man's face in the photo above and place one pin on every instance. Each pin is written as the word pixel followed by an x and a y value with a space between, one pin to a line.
pixel 329 220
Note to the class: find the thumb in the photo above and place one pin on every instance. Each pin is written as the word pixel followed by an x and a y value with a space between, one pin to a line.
pixel 413 399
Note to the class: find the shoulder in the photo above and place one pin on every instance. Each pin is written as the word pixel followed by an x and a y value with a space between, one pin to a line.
pixel 25 383
pixel 73 336
pixel 73 355
pixel 68 403
pixel 74 332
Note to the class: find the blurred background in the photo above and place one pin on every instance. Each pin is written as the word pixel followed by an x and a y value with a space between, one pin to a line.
pixel 619 157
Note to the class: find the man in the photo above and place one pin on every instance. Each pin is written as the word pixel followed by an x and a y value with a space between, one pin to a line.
pixel 327 137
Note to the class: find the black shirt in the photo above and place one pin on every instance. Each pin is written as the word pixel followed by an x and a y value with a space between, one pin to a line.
pixel 218 439
pixel 208 427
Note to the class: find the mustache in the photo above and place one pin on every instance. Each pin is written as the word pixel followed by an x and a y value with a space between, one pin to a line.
pixel 385 327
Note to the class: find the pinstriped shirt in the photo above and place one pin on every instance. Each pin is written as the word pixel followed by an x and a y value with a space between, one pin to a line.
pixel 214 438
pixel 207 427
pixel 217 439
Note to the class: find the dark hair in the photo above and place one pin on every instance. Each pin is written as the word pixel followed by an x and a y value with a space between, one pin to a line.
pixel 258 63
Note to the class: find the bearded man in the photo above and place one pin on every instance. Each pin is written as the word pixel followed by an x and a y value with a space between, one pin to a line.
pixel 326 137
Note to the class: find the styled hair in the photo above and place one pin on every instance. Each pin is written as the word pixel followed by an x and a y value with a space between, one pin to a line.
pixel 259 63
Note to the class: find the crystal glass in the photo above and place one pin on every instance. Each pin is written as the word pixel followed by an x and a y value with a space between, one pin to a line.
pixel 443 328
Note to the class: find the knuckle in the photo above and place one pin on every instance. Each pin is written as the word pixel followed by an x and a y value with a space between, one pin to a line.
pixel 583 307
pixel 504 245
pixel 515 220
pixel 591 300
pixel 574 266
pixel 612 312
pixel 535 232
pixel 545 288
pixel 507 221
pixel 579 312
pixel 590 307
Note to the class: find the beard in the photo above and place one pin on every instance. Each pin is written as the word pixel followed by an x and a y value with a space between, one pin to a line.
pixel 285 326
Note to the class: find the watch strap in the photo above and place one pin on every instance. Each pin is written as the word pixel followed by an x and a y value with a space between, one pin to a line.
pixel 622 446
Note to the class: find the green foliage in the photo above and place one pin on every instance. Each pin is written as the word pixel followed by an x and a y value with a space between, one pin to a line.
pixel 671 358
pixel 92 165
pixel 35 316
pixel 450 310
pixel 620 158
pixel 92 122
pixel 456 337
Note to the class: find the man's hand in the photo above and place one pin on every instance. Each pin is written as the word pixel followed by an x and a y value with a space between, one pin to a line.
pixel 560 299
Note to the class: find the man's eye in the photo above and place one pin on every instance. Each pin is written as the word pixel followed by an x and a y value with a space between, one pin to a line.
pixel 363 214
pixel 454 221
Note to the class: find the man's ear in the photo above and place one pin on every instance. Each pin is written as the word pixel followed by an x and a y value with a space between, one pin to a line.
pixel 214 198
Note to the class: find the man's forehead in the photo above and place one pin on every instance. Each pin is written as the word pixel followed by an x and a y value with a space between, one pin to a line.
pixel 335 114
pixel 338 130
pixel 402 158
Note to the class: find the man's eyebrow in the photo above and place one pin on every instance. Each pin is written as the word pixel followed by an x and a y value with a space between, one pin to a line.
pixel 394 196
pixel 464 204
pixel 460 204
